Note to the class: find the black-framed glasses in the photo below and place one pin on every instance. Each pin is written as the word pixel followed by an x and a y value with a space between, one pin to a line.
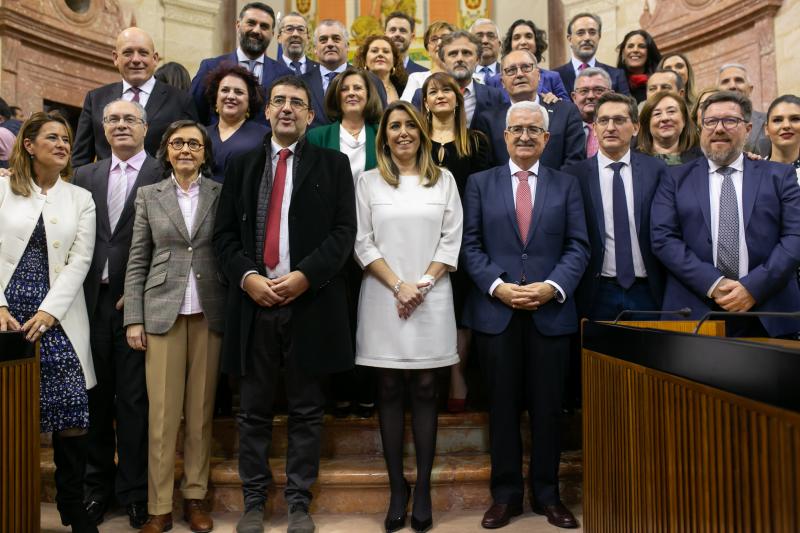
pixel 533 131
pixel 618 120
pixel 728 123
pixel 295 103
pixel 177 144
pixel 526 68
pixel 128 120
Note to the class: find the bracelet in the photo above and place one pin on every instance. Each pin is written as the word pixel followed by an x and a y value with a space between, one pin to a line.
pixel 396 288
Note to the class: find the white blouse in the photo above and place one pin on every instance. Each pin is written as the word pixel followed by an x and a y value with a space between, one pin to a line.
pixel 355 148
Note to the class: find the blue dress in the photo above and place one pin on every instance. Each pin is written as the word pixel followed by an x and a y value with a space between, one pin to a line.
pixel 63 401
pixel 249 136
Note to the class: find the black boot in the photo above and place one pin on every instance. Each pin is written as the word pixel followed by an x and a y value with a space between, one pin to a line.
pixel 69 455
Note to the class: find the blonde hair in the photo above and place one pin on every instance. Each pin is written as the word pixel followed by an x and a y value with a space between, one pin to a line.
pixel 428 171
pixel 21 162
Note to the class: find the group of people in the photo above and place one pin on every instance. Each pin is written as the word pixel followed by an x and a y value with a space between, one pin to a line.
pixel 301 216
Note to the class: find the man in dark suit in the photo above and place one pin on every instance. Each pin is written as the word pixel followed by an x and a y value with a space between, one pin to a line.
pixel 254 30
pixel 489 35
pixel 120 395
pixel 525 248
pixel 583 34
pixel 618 185
pixel 136 59
pixel 727 228
pixel 459 53
pixel 292 41
pixel 399 28
pixel 286 225
pixel 520 76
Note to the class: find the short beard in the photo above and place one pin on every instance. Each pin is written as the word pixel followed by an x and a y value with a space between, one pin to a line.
pixel 402 46
pixel 252 47
pixel 724 157
pixel 585 56
pixel 461 74
pixel 294 56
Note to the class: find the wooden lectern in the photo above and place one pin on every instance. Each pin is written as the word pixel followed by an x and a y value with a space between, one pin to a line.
pixel 689 433
pixel 19 435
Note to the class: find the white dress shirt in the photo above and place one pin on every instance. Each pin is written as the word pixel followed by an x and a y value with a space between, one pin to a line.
pixel 245 62
pixel 607 194
pixel 484 76
pixel 576 63
pixel 323 71
pixel 303 63
pixel 145 90
pixel 714 190
pixel 355 148
pixel 470 101
pixel 188 201
pixel 284 266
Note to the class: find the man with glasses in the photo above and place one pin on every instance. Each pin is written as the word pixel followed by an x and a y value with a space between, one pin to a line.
pixel 293 40
pixel 590 85
pixel 525 248
pixel 254 29
pixel 727 228
pixel 583 35
pixel 520 76
pixel 118 404
pixel 489 35
pixel 399 28
pixel 285 227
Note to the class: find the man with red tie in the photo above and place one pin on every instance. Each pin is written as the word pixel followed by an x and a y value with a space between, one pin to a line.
pixel 590 85
pixel 285 227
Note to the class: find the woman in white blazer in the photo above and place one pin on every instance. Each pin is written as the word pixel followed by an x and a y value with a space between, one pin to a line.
pixel 47 231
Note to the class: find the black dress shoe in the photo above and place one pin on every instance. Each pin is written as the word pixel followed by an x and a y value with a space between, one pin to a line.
pixel 500 514
pixel 96 511
pixel 557 514
pixel 137 514
pixel 421 526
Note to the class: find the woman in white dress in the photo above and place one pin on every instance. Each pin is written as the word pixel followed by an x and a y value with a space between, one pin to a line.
pixel 409 235
pixel 433 36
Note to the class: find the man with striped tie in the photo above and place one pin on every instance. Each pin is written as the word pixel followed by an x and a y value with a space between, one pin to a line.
pixel 293 41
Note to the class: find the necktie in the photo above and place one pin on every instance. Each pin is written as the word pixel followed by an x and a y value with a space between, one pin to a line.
pixel 523 203
pixel 273 232
pixel 582 67
pixel 487 73
pixel 728 229
pixel 296 66
pixel 591 142
pixel 623 252
pixel 329 76
pixel 117 191
pixel 135 91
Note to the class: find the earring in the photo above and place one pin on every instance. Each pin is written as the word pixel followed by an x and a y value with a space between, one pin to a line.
pixel 247 115
pixel 216 110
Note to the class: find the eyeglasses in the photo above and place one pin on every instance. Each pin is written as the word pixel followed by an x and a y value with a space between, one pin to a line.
pixel 129 120
pixel 280 101
pixel 291 29
pixel 598 91
pixel 517 131
pixel 177 144
pixel 525 68
pixel 728 123
pixel 618 120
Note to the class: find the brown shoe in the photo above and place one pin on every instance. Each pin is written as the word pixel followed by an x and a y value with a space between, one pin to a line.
pixel 199 520
pixel 500 514
pixel 158 523
pixel 557 514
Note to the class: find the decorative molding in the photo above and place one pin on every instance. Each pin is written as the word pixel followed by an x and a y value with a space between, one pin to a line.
pixel 201 13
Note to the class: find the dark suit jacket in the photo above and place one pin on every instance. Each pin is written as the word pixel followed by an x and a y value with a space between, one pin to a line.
pixel 647 172
pixel 619 83
pixel 556 247
pixel 164 106
pixel 322 231
pixel 313 79
pixel 681 237
pixel 271 71
pixel 310 63
pixel 485 98
pixel 549 82
pixel 112 246
pixel 567 144
pixel 414 67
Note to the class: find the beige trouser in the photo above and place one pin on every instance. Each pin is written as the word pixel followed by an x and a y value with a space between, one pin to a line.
pixel 181 368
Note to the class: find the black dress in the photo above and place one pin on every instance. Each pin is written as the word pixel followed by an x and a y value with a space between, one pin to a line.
pixel 461 168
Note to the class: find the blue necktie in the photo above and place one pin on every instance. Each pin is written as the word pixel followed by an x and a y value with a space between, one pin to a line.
pixel 728 229
pixel 297 67
pixel 487 73
pixel 329 76
pixel 623 253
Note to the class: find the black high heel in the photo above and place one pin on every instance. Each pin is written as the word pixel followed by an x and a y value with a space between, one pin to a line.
pixel 421 526
pixel 396 523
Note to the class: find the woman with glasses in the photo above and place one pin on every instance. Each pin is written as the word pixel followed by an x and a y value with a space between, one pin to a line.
pixel 174 311
pixel 667 131
pixel 433 36
pixel 638 56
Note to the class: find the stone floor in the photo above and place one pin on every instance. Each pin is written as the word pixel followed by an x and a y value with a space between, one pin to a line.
pixel 449 522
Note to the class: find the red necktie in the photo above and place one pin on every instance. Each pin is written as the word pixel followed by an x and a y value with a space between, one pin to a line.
pixel 272 240
pixel 592 144
pixel 583 66
pixel 524 206
pixel 135 91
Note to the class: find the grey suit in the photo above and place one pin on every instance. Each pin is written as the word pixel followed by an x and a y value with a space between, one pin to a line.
pixel 163 251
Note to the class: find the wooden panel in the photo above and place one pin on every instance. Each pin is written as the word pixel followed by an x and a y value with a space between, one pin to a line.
pixel 662 453
pixel 712 328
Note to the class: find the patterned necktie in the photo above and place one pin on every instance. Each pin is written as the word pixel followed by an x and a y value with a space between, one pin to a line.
pixel 591 142
pixel 623 251
pixel 117 191
pixel 273 233
pixel 135 91
pixel 582 67
pixel 297 67
pixel 523 204
pixel 487 73
pixel 728 229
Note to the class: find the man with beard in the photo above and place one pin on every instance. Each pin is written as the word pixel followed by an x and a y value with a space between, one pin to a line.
pixel 727 228
pixel 254 30
pixel 399 29
pixel 520 76
pixel 590 85
pixel 459 53
pixel 489 35
pixel 734 77
pixel 293 38
pixel 583 35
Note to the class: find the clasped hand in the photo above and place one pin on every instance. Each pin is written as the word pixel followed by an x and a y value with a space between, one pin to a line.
pixel 526 297
pixel 732 296
pixel 409 297
pixel 280 291
pixel 34 328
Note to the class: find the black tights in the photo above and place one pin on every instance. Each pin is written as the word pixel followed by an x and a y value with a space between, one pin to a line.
pixel 424 420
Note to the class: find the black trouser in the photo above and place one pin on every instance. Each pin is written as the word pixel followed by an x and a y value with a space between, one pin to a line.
pixel 121 395
pixel 524 370
pixel 270 346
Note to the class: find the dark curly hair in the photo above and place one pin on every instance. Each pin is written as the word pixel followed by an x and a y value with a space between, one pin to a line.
pixel 540 37
pixel 255 101
pixel 653 55
pixel 399 76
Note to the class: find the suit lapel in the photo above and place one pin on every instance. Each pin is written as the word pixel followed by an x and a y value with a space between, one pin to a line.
pixel 169 201
pixel 542 184
pixel 504 182
pixel 101 172
pixel 156 100
pixel 371 161
pixel 145 172
pixel 699 177
pixel 569 77
pixel 209 190
pixel 597 198
pixel 303 166
pixel 750 184
pixel 637 192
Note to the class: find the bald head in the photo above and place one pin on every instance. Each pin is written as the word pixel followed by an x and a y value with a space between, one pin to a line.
pixel 135 56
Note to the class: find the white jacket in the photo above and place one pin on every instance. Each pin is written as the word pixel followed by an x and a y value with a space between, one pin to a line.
pixel 69 220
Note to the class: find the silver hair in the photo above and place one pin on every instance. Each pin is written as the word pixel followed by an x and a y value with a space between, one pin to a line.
pixel 594 71
pixel 137 105
pixel 530 106
pixel 330 22
pixel 485 21
pixel 290 14
pixel 734 65
pixel 530 54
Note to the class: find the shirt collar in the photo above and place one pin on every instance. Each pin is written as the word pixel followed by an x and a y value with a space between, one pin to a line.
pixel 277 148
pixel 146 87
pixel 242 57
pixel 288 60
pixel 492 68
pixel 471 87
pixel 603 161
pixel 738 164
pixel 324 70
pixel 134 162
pixel 194 185
pixel 514 168
pixel 577 62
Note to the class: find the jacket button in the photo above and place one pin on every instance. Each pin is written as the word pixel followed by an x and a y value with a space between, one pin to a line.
pixel 54 220
pixel 189 249
pixel 56 244
pixel 58 269
pixel 524 257
pixel 197 276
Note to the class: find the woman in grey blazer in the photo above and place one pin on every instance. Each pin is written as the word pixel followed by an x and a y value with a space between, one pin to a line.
pixel 174 299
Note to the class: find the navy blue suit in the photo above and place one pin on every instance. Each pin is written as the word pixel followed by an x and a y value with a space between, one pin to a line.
pixel 681 237
pixel 412 67
pixel 485 98
pixel 619 82
pixel 549 82
pixel 313 79
pixel 271 71
pixel 647 172
pixel 567 144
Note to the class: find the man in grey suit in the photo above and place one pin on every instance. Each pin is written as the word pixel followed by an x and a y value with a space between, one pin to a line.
pixel 136 59
pixel 734 77
pixel 120 393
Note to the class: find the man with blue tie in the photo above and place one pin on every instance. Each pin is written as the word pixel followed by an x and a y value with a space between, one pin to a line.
pixel 489 35
pixel 254 29
pixel 727 228
pixel 618 185
pixel 293 40
pixel 525 248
